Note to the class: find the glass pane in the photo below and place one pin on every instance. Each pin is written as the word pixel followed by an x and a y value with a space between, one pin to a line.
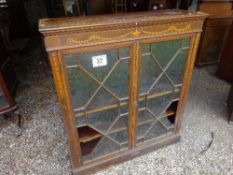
pixel 167 122
pixel 102 120
pixel 176 69
pixel 176 94
pixel 105 146
pixel 124 52
pixel 82 87
pixel 98 101
pixel 146 48
pixel 121 124
pixel 118 81
pixel 186 42
pixel 124 108
pixel 163 85
pixel 141 131
pixel 81 121
pixel 159 104
pixel 164 51
pixel 121 136
pixel 142 102
pixel 156 130
pixel 98 72
pixel 144 116
pixel 71 59
pixel 149 72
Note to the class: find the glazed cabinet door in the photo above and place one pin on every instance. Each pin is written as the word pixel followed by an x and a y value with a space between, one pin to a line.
pixel 99 87
pixel 161 77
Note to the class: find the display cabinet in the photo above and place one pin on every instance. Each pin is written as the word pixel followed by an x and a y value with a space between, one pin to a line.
pixel 216 30
pixel 122 81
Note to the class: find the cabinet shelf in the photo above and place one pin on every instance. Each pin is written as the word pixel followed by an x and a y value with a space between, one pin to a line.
pixel 143 119
pixel 107 107
pixel 86 134
pixel 88 147
pixel 169 112
pixel 88 139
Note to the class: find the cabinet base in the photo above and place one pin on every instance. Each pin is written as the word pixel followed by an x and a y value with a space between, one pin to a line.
pixel 126 155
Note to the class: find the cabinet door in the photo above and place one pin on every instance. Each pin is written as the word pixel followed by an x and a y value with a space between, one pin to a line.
pixel 161 76
pixel 99 83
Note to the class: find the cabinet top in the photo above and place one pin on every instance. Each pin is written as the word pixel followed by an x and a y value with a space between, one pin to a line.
pixel 117 21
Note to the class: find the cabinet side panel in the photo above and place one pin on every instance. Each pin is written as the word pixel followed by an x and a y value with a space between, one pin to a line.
pixel 187 79
pixel 67 118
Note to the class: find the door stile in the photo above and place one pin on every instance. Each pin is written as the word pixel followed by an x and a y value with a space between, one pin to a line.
pixel 133 93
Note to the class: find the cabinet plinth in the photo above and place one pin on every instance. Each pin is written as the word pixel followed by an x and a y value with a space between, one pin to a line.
pixel 122 81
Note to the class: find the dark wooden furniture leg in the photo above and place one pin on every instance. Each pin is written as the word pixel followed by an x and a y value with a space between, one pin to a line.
pixel 19 117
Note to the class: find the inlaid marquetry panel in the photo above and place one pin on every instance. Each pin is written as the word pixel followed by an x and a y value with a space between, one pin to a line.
pixel 77 39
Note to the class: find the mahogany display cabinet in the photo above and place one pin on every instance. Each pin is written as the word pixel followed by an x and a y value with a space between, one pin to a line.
pixel 122 81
